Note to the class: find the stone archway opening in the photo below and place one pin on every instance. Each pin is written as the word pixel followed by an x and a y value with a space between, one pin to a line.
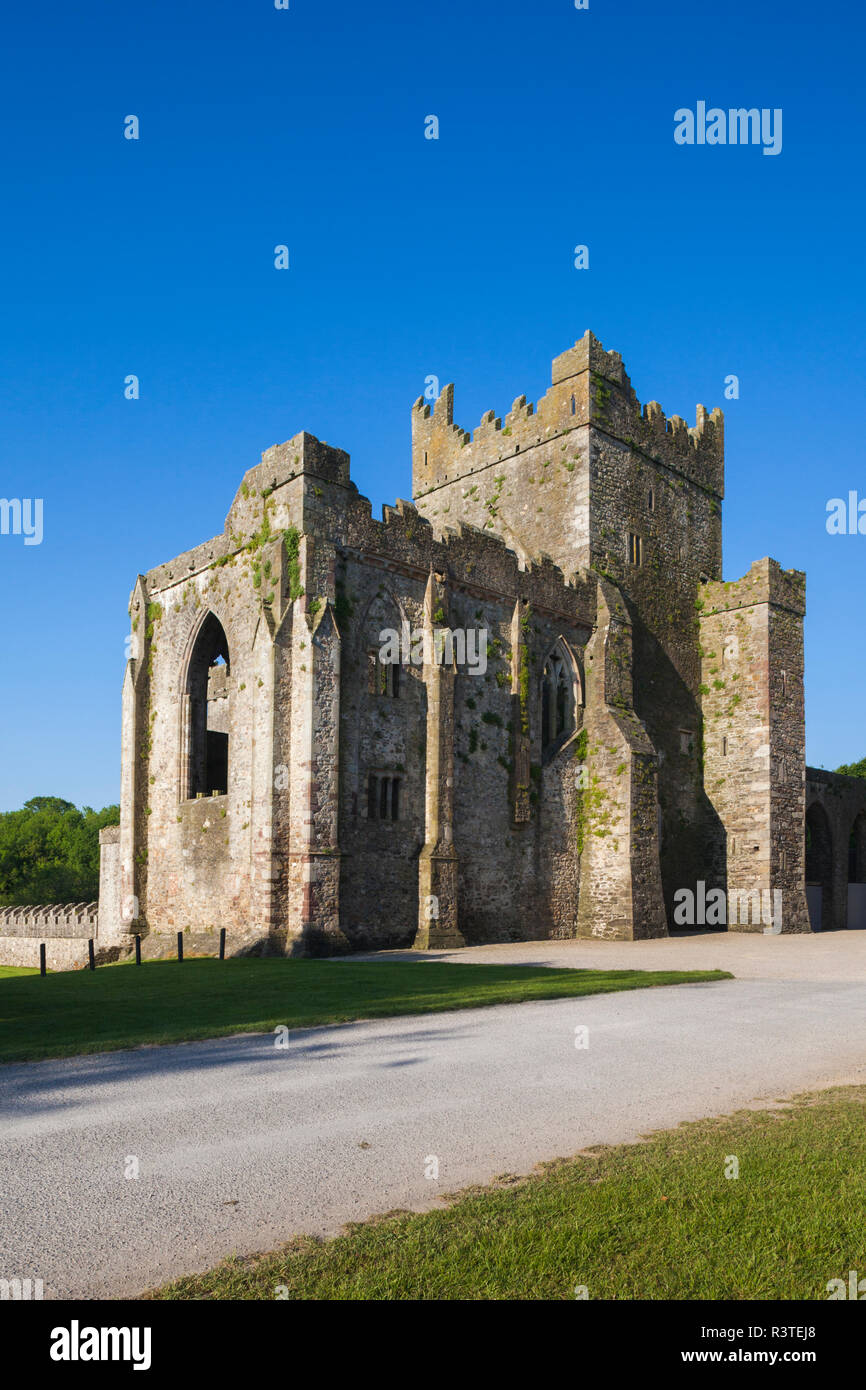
pixel 207 691
pixel 819 867
pixel 857 872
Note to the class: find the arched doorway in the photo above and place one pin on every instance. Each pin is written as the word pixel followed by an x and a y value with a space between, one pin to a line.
pixel 857 872
pixel 207 692
pixel 819 867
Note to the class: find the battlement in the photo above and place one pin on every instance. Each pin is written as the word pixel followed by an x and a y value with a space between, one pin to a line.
pixel 765 582
pixel 45 920
pixel 473 558
pixel 589 387
pixel 589 355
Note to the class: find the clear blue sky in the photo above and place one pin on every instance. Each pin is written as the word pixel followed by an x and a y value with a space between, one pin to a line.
pixel 409 257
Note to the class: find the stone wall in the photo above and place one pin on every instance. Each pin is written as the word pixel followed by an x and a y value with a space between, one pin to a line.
pixel 754 735
pixel 836 849
pixel 64 928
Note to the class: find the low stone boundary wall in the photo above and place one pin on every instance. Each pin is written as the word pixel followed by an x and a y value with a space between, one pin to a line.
pixel 50 920
pixel 61 953
pixel 64 927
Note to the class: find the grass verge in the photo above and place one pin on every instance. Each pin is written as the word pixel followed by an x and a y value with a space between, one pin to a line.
pixel 655 1220
pixel 163 1001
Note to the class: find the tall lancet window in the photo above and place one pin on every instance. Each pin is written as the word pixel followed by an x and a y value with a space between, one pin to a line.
pixel 207 715
pixel 558 713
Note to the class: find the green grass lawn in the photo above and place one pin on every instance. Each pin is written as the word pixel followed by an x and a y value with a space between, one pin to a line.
pixel 655 1220
pixel 164 1001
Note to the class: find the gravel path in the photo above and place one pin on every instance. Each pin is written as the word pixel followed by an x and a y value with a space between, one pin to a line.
pixel 240 1144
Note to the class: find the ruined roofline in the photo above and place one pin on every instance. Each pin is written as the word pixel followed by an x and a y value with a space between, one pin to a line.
pixel 589 387
pixel 302 455
pixel 474 557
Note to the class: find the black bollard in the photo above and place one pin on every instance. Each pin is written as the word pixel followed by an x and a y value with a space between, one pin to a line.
pixel 90 957
pixel 222 943
pixel 138 950
pixel 180 945
pixel 42 958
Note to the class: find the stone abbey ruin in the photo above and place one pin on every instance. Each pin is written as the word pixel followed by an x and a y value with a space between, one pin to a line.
pixel 635 728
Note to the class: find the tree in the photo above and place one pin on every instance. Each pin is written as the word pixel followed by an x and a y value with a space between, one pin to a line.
pixel 853 769
pixel 49 851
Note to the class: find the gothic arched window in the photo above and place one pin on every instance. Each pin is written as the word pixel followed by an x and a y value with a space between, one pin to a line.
pixel 558 714
pixel 207 693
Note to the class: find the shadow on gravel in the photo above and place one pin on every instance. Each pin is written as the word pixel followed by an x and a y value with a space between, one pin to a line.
pixel 41 1087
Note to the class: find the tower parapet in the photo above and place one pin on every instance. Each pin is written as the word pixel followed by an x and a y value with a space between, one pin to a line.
pixel 589 387
pixel 765 582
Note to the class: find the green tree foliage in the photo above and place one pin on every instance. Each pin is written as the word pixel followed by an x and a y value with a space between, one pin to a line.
pixel 49 851
pixel 854 769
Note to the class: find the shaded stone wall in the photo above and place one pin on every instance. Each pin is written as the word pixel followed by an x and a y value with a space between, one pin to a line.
pixel 835 804
pixel 381 736
pixel 500 842
pixel 618 807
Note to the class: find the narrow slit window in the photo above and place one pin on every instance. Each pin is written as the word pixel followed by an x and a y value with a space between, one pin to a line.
pixel 383 677
pixel 383 797
pixel 557 700
pixel 635 549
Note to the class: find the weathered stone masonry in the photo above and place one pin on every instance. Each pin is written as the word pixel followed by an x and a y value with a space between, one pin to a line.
pixel 639 726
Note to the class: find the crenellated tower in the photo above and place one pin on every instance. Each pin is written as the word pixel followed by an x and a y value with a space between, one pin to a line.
pixel 595 480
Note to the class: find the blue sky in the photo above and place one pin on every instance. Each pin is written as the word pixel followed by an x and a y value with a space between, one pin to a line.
pixel 409 257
